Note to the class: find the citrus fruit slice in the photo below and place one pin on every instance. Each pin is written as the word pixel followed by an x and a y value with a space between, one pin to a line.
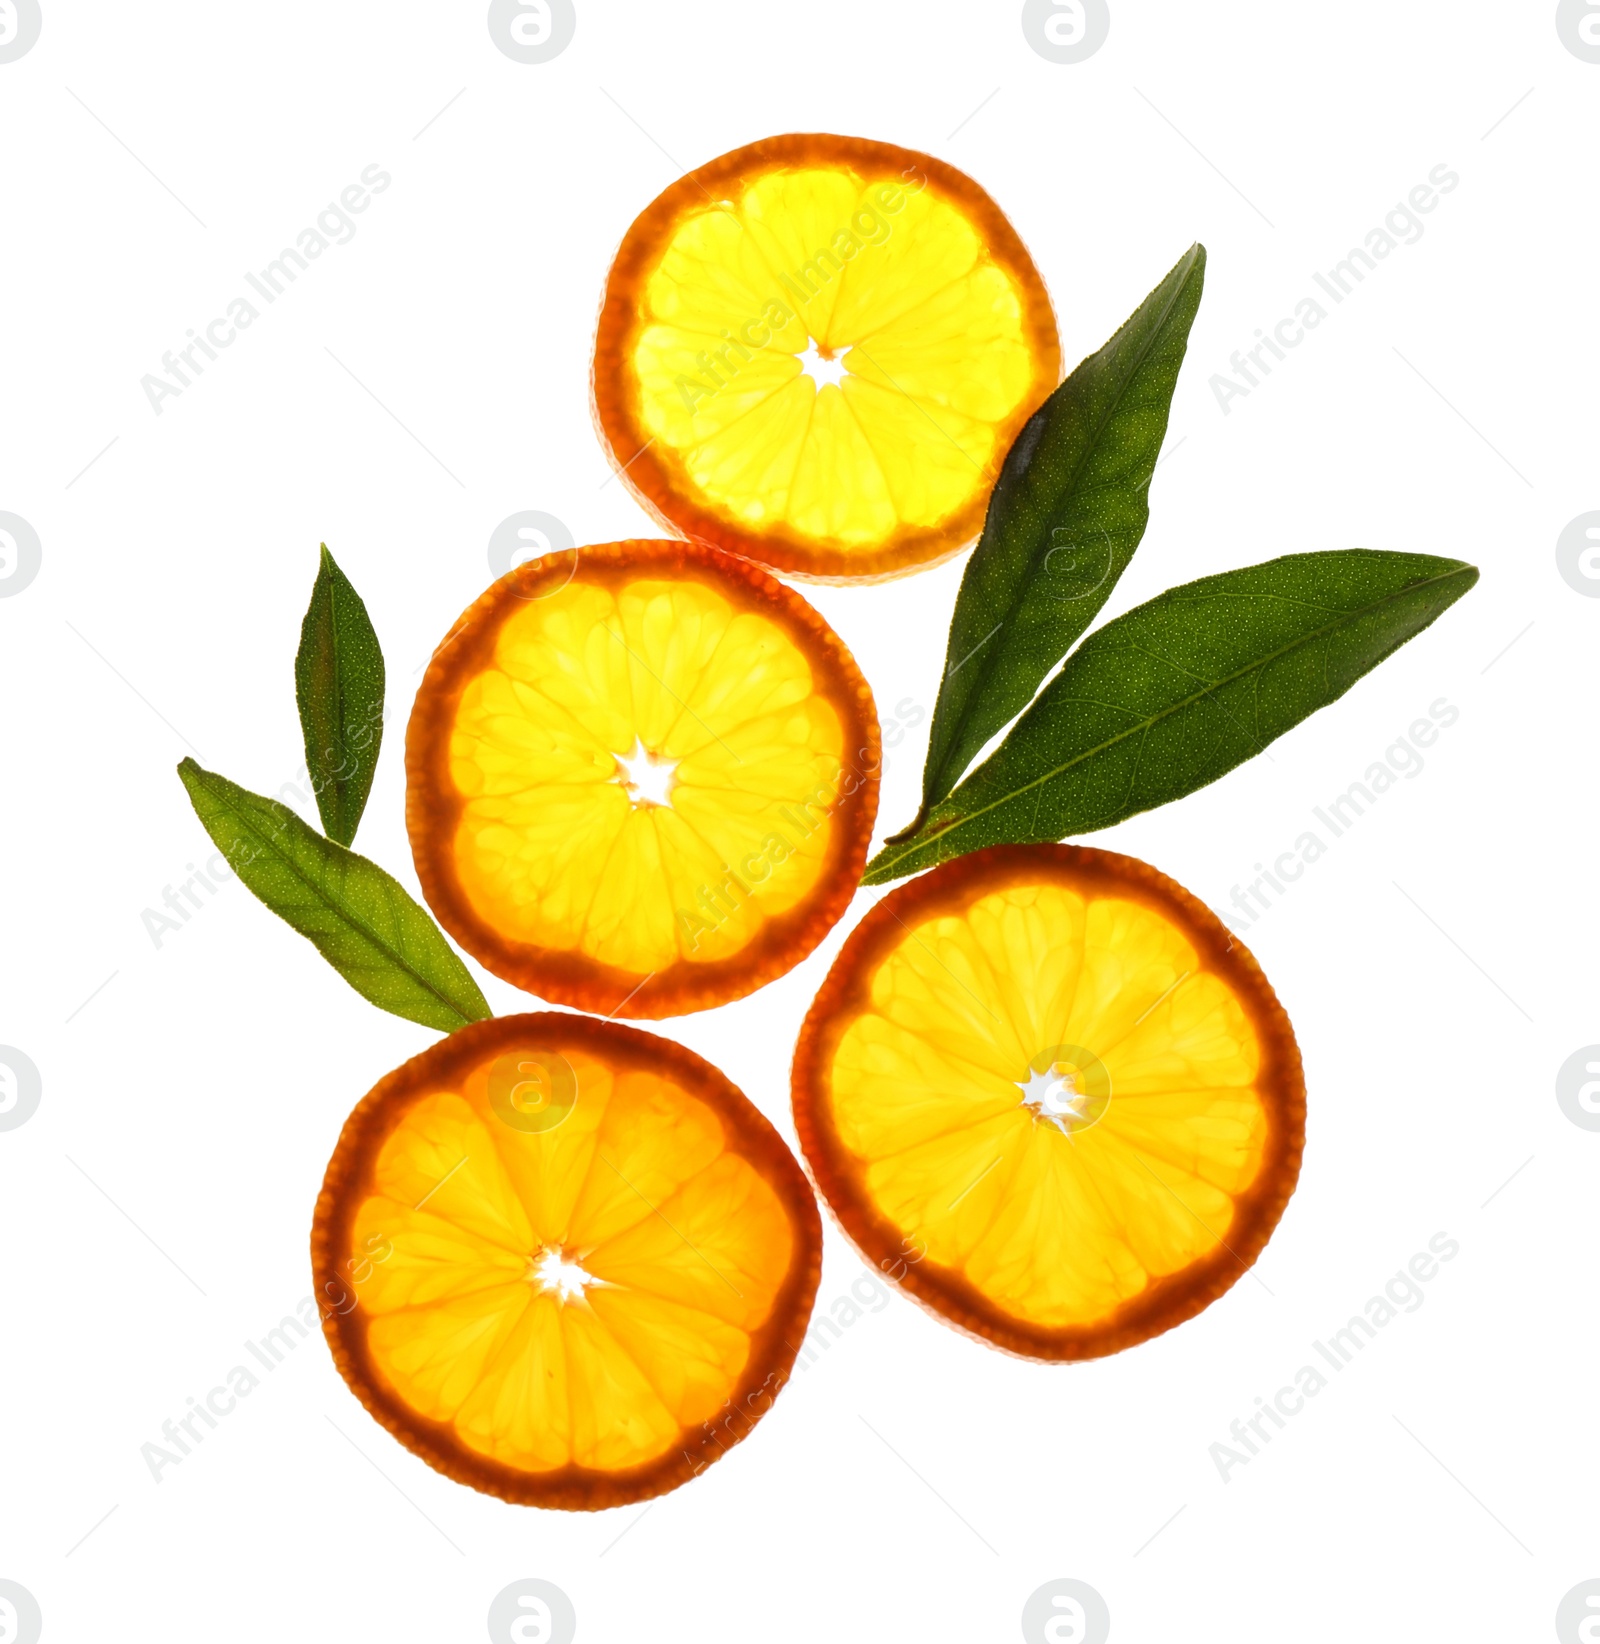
pixel 641 778
pixel 1044 1088
pixel 564 1261
pixel 815 352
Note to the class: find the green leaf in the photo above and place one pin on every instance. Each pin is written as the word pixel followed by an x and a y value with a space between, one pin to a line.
pixel 1177 692
pixel 358 918
pixel 1068 510
pixel 338 682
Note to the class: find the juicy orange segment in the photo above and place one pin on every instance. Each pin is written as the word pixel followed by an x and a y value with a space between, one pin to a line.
pixel 815 352
pixel 1046 1086
pixel 642 778
pixel 564 1261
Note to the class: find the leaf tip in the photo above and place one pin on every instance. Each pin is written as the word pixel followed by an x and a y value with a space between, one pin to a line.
pixel 1467 573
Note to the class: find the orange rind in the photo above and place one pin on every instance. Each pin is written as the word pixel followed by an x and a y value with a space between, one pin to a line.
pixel 1044 1088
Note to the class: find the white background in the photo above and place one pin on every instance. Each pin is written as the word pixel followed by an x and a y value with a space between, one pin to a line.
pixel 910 1483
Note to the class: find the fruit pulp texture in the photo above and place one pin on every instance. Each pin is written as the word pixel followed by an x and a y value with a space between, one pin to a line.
pixel 648 774
pixel 1054 1097
pixel 884 276
pixel 575 1295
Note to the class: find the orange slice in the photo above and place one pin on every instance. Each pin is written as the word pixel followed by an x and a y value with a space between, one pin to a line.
pixel 563 1261
pixel 1045 1088
pixel 815 352
pixel 641 778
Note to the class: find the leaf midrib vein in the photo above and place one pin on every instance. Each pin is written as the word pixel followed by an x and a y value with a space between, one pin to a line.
pixel 341 784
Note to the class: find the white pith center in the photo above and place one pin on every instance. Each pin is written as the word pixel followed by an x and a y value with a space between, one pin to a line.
pixel 1056 1097
pixel 647 779
pixel 818 369
pixel 557 1276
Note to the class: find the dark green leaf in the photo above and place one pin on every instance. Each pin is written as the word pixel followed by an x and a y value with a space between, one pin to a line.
pixel 338 682
pixel 358 918
pixel 1179 691
pixel 1068 510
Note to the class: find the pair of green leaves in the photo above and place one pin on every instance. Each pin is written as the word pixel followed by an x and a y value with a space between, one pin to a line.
pixel 359 918
pixel 1166 698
